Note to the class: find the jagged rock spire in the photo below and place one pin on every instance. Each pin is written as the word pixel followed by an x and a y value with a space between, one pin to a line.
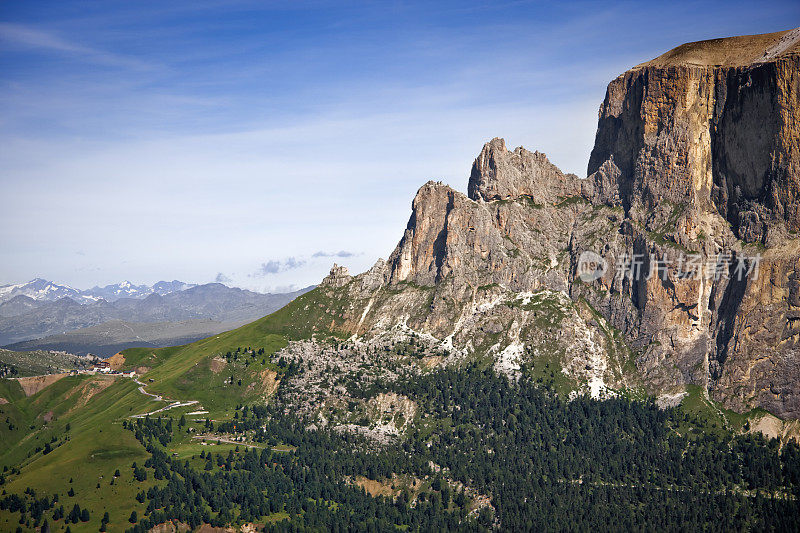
pixel 498 174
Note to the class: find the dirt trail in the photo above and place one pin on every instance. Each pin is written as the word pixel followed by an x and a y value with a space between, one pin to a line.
pixel 155 397
pixel 158 398
pixel 214 438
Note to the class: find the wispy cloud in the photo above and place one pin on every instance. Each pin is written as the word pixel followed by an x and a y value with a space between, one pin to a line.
pixel 280 289
pixel 222 278
pixel 341 253
pixel 31 37
pixel 276 266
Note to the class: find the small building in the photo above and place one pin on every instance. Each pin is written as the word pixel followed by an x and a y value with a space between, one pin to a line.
pixel 102 366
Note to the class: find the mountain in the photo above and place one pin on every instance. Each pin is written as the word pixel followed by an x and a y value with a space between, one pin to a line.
pixel 543 353
pixel 126 289
pixel 696 162
pixel 39 289
pixel 18 305
pixel 48 291
pixel 116 291
pixel 25 320
pixel 167 287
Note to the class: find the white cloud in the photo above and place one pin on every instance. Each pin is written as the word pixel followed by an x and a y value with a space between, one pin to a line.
pixel 275 266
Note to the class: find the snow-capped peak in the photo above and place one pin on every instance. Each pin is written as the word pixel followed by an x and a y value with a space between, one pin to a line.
pixel 39 289
pixel 44 290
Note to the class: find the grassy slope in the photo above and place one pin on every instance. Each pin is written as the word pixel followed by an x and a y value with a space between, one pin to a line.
pixel 185 372
pixel 713 416
pixel 93 448
pixel 96 444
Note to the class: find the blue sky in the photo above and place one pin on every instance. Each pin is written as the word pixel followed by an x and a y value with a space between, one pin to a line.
pixel 259 142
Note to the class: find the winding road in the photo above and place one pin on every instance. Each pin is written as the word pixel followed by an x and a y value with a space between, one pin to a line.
pixel 159 398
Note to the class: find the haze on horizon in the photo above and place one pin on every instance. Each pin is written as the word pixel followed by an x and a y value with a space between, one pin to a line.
pixel 257 144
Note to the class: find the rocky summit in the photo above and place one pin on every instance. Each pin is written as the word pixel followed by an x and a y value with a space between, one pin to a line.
pixel 674 263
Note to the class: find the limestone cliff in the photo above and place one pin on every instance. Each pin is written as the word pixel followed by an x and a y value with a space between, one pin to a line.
pixel 696 162
pixel 701 148
pixel 713 124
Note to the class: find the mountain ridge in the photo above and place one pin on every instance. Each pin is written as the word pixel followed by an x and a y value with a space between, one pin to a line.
pixel 23 319
pixel 113 336
pixel 45 290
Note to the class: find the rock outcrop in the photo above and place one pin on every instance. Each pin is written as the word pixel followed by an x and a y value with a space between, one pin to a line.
pixel 688 216
pixel 701 148
pixel 339 275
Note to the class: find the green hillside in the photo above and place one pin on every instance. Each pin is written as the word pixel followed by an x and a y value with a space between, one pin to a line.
pixel 203 370
pixel 225 444
pixel 80 417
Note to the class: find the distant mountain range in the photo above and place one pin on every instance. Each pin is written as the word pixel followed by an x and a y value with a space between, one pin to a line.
pixel 44 290
pixel 45 315
pixel 113 336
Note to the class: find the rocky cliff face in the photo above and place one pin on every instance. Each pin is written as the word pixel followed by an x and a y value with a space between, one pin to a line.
pixel 713 124
pixel 701 148
pixel 687 220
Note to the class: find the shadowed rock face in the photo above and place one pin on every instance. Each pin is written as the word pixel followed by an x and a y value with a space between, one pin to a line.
pixel 696 155
pixel 714 124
